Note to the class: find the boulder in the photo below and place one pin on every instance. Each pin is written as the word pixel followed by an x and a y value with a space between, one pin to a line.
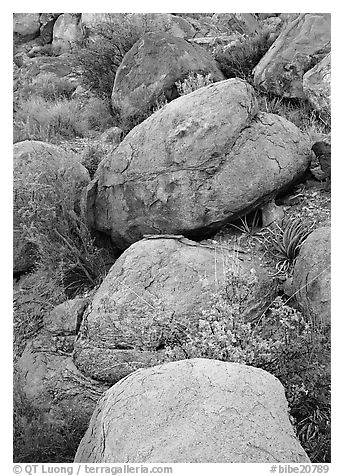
pixel 312 277
pixel 322 150
pixel 67 30
pixel 198 163
pixel 245 23
pixel 150 70
pixel 193 411
pixel 26 26
pixel 155 291
pixel 38 168
pixel 317 86
pixel 65 318
pixel 302 43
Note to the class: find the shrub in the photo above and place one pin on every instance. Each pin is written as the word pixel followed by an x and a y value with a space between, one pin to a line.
pixel 239 60
pixel 96 115
pixel 96 58
pixel 38 119
pixel 55 121
pixel 281 342
pixel 193 82
pixel 297 111
pixel 48 217
pixel 49 87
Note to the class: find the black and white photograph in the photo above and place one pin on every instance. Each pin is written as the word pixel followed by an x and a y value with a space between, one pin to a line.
pixel 171 240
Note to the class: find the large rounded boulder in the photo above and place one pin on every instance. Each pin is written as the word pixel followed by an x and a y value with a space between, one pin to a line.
pixel 312 276
pixel 42 174
pixel 199 162
pixel 156 291
pixel 150 70
pixel 302 43
pixel 193 411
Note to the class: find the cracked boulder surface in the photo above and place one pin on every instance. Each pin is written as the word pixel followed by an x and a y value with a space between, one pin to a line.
pixel 150 69
pixel 45 374
pixel 312 276
pixel 199 162
pixel 302 43
pixel 193 411
pixel 151 296
pixel 38 167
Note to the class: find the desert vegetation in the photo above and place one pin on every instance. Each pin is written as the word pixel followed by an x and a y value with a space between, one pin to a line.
pixel 71 258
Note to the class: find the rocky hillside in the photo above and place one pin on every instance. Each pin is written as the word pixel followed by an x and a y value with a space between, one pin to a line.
pixel 172 186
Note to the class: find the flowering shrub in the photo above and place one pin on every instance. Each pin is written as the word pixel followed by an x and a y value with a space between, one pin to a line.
pixel 281 342
pixel 193 82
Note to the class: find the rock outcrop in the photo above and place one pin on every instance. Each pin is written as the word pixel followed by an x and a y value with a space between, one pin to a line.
pixel 312 277
pixel 38 169
pixel 151 68
pixel 155 291
pixel 317 86
pixel 193 411
pixel 199 162
pixel 302 43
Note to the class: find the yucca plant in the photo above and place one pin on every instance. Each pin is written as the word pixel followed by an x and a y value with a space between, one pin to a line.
pixel 287 241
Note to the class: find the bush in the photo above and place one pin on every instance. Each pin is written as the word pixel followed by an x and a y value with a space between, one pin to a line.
pixel 55 121
pixel 281 342
pixel 297 111
pixel 68 262
pixel 96 115
pixel 47 86
pixel 38 119
pixel 96 58
pixel 193 82
pixel 48 217
pixel 239 60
